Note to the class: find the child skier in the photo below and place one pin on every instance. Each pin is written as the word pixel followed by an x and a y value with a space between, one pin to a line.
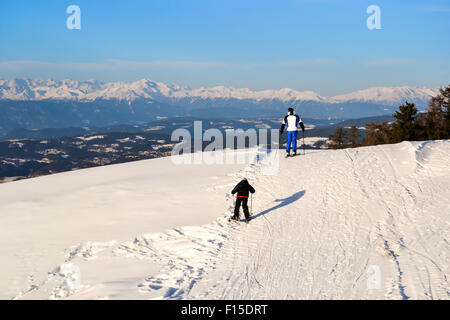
pixel 242 188
pixel 291 122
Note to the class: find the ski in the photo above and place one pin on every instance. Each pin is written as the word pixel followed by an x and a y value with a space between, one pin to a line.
pixel 239 221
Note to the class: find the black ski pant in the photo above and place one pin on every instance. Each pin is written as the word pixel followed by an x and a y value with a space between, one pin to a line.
pixel 243 201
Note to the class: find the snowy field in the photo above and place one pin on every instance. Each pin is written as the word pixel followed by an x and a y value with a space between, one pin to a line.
pixel 365 223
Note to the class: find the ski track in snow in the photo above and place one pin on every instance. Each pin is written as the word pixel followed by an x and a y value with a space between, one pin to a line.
pixel 373 209
pixel 317 227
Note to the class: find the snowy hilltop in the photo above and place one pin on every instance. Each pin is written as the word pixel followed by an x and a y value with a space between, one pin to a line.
pixel 362 223
pixel 68 89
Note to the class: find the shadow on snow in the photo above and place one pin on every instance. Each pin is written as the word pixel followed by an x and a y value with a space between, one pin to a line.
pixel 283 202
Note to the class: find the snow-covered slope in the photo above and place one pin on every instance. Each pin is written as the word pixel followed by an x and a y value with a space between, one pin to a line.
pixel 359 223
pixel 27 89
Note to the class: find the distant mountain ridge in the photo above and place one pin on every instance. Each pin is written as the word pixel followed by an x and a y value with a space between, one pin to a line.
pixel 387 95
pixel 37 104
pixel 90 90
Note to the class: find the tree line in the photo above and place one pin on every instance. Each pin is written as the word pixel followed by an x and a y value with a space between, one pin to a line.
pixel 409 125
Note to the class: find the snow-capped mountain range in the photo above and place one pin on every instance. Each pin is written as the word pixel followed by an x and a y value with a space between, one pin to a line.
pixel 36 104
pixel 90 90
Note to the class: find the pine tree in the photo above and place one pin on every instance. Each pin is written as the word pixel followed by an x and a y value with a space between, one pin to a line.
pixel 337 139
pixel 377 133
pixel 406 127
pixel 353 137
pixel 437 120
pixel 434 121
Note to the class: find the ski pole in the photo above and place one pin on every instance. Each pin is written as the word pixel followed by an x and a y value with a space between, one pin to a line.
pixel 303 142
pixel 251 204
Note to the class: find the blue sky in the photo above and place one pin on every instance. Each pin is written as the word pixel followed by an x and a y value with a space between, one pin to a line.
pixel 321 45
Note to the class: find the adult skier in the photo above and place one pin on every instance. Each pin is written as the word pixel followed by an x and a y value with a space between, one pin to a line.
pixel 291 122
pixel 242 189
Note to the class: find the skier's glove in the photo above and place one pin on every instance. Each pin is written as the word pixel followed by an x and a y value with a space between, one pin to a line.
pixel 302 126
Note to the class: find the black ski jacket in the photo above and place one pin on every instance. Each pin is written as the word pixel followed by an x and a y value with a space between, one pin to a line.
pixel 243 188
